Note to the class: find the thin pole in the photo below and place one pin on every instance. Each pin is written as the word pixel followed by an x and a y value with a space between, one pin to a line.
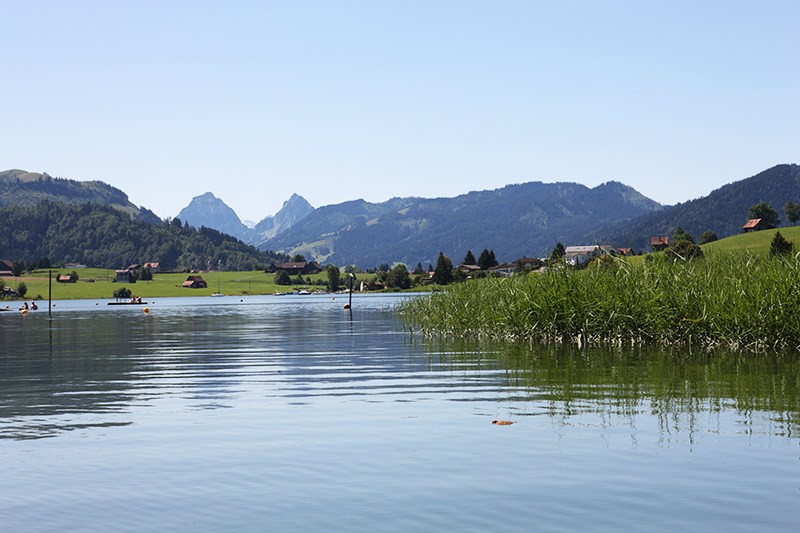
pixel 350 300
pixel 50 294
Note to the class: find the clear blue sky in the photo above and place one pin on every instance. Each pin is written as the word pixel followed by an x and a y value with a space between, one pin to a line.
pixel 337 100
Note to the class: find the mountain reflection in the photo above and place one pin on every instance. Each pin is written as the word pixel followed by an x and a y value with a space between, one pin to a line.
pixel 101 369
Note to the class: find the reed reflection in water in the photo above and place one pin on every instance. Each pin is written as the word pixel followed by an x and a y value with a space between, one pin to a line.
pixel 283 414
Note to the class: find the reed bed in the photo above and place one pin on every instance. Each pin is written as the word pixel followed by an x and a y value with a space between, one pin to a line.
pixel 739 301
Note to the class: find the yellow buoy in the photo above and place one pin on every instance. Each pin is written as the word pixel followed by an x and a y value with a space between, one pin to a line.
pixel 24 311
pixel 146 309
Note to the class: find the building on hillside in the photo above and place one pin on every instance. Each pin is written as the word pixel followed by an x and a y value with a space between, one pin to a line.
pixel 6 267
pixel 153 266
pixel 659 244
pixel 65 278
pixel 75 266
pixel 625 251
pixel 754 224
pixel 305 268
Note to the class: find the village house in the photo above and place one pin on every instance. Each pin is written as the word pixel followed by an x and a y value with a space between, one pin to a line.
pixel 659 244
pixel 580 255
pixel 528 263
pixel 503 270
pixel 6 267
pixel 468 270
pixel 195 282
pixel 305 268
pixel 754 224
pixel 65 278
pixel 153 266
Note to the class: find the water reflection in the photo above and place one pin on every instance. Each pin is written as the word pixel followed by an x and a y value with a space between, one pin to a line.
pixel 100 369
pixel 683 391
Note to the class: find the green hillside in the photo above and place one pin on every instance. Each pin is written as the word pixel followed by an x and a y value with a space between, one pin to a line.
pixel 756 241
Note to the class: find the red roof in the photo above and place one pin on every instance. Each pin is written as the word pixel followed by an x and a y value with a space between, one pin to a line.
pixel 655 241
pixel 752 223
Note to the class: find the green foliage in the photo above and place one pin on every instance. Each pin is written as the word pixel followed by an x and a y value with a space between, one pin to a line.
pixel 780 246
pixel 739 301
pixel 123 293
pixel 443 273
pixel 558 252
pixel 398 277
pixel 333 277
pixel 792 212
pixel 102 236
pixel 682 247
pixel 298 258
pixel 486 260
pixel 469 259
pixel 282 278
pixel 146 274
pixel 767 214
pixel 22 289
pixel 707 237
pixel 418 270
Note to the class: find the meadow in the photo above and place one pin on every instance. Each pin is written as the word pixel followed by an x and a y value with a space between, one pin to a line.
pixel 95 283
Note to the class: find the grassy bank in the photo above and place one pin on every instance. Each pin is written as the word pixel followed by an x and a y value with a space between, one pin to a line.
pixel 734 300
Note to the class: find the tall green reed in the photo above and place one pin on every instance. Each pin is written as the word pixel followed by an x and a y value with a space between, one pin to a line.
pixel 737 301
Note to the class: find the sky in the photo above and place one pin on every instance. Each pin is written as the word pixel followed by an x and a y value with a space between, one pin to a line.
pixel 338 100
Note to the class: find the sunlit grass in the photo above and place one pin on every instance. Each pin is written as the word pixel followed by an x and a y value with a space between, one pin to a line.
pixel 735 300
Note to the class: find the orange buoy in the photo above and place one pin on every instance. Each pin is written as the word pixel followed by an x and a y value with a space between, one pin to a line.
pixel 502 422
pixel 146 310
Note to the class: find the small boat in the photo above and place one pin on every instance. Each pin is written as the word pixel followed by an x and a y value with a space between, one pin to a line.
pixel 138 302
pixel 217 294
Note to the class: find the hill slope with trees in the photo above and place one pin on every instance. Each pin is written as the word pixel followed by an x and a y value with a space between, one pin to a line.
pixel 723 211
pixel 100 236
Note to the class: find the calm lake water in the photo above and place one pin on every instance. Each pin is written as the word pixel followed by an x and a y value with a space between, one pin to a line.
pixel 283 414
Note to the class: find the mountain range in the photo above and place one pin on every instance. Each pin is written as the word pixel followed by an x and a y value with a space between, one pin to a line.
pixel 518 220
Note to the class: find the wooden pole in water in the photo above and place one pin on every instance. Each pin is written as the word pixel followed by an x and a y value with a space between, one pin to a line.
pixel 50 294
pixel 350 299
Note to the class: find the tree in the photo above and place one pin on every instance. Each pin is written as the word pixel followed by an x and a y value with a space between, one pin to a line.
pixel 384 267
pixel 333 277
pixel 707 237
pixel 792 212
pixel 486 260
pixel 122 293
pixel 398 277
pixel 780 246
pixel 418 269
pixel 22 289
pixel 769 217
pixel 558 252
pixel 469 259
pixel 17 268
pixel 146 274
pixel 683 247
pixel 282 278
pixel 443 273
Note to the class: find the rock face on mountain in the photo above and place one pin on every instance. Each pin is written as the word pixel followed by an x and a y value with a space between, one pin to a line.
pixel 295 209
pixel 22 188
pixel 514 221
pixel 209 211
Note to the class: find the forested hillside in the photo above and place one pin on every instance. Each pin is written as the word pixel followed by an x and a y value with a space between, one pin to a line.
pixel 723 211
pixel 101 236
pixel 514 221
pixel 18 187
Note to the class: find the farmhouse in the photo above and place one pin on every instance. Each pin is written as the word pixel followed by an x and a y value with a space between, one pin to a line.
pixel 659 244
pixel 754 224
pixel 125 275
pixel 65 278
pixel 153 266
pixel 528 263
pixel 6 267
pixel 580 255
pixel 468 269
pixel 503 270
pixel 195 282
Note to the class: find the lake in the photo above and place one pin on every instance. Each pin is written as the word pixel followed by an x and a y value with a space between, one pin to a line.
pixel 287 413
